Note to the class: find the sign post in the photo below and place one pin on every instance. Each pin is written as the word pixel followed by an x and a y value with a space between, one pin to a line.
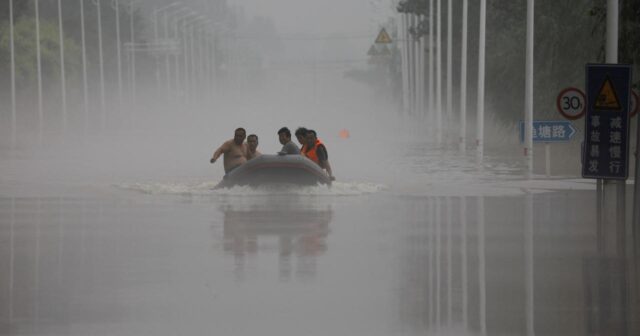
pixel 607 123
pixel 549 131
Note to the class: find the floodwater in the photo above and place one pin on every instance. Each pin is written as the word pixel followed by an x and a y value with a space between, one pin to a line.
pixel 470 253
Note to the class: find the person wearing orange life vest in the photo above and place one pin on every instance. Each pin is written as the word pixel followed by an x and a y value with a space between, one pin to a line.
pixel 317 152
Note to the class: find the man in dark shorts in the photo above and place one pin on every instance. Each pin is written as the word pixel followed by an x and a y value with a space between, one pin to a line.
pixel 288 147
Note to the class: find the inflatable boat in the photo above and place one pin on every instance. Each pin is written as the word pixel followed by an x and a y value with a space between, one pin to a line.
pixel 275 169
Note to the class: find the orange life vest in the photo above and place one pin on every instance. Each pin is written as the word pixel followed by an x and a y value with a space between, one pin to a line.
pixel 312 153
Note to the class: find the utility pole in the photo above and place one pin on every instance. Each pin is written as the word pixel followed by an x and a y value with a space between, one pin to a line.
pixel 133 54
pixel 449 67
pixel 481 51
pixel 39 70
pixel 103 104
pixel 528 101
pixel 116 6
pixel 431 64
pixel 14 131
pixel 463 78
pixel 63 80
pixel 439 73
pixel 85 91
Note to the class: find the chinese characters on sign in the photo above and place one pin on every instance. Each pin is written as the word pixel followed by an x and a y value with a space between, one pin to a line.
pixel 549 131
pixel 606 144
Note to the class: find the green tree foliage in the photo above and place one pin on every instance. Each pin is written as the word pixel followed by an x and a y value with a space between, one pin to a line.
pixel 568 34
pixel 25 50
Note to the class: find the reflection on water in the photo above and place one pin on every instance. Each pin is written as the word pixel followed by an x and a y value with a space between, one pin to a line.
pixel 510 266
pixel 297 230
pixel 443 265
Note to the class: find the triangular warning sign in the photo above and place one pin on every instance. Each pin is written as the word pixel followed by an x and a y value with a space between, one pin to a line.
pixel 385 51
pixel 383 37
pixel 607 98
pixel 372 51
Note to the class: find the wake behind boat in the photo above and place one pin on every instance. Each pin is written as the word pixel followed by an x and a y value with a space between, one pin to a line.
pixel 275 169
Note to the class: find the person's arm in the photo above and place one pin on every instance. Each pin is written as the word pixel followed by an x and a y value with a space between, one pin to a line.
pixel 223 149
pixel 327 166
pixel 323 157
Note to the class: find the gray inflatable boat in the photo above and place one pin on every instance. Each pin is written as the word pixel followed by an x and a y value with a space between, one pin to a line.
pixel 275 169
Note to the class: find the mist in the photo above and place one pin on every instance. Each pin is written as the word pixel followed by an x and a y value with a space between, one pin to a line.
pixel 113 221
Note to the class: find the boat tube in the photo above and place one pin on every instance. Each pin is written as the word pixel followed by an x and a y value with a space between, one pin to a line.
pixel 275 169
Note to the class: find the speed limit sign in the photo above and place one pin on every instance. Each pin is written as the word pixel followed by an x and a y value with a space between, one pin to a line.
pixel 571 103
pixel 634 103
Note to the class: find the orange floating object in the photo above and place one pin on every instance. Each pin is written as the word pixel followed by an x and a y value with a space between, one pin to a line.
pixel 344 133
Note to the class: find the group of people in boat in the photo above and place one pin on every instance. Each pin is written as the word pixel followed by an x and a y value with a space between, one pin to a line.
pixel 236 151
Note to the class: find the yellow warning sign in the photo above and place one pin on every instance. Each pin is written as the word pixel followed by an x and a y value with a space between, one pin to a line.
pixel 607 98
pixel 383 37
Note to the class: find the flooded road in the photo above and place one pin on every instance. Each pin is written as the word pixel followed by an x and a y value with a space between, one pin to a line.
pixel 378 263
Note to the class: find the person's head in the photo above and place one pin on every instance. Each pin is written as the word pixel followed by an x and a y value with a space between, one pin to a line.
pixel 284 135
pixel 239 135
pixel 252 141
pixel 301 133
pixel 310 138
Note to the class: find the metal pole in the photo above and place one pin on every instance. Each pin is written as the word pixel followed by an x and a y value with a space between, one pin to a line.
pixel 463 78
pixel 85 91
pixel 528 100
pixel 439 73
pixel 118 51
pixel 449 68
pixel 133 55
pixel 481 50
pixel 166 57
pixel 14 131
pixel 405 71
pixel 39 70
pixel 156 58
pixel 63 81
pixel 103 105
pixel 431 64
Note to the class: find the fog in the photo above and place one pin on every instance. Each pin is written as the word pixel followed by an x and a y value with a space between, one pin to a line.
pixel 111 222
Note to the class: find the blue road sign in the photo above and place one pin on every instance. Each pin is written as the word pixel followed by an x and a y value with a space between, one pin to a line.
pixel 549 131
pixel 606 136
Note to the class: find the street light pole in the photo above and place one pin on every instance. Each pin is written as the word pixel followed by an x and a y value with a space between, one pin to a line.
pixel 481 52
pixel 133 53
pixel 463 79
pixel 116 5
pixel 39 70
pixel 439 74
pixel 14 131
pixel 63 81
pixel 103 107
pixel 528 109
pixel 84 70
pixel 449 67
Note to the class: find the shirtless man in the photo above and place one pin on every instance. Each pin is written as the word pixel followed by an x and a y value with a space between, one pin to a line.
pixel 252 147
pixel 234 150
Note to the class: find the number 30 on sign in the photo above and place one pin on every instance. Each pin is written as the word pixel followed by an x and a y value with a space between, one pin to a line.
pixel 571 103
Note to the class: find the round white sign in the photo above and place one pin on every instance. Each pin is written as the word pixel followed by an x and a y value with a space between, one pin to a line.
pixel 571 103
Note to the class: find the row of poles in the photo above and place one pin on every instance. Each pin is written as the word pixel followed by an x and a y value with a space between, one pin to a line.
pixel 190 44
pixel 63 80
pixel 613 231
pixel 425 94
